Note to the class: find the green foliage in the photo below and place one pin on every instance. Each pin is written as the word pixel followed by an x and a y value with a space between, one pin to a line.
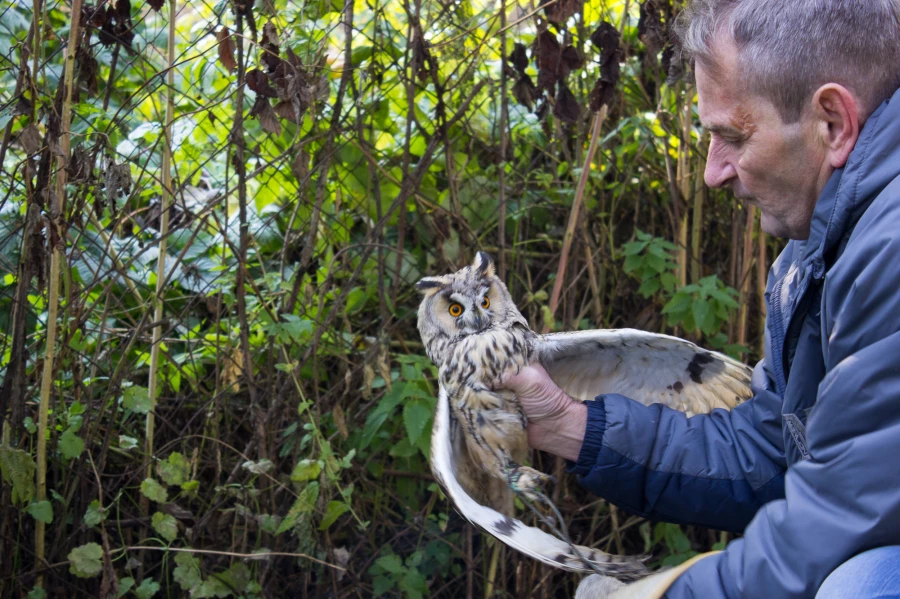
pixel 137 399
pixel 86 561
pixel 147 589
pixel 41 511
pixel 675 541
pixel 165 525
pixel 18 470
pixel 93 516
pixel 650 261
pixel 70 444
pixel 154 491
pixel 175 470
pixel 701 307
pixel 391 574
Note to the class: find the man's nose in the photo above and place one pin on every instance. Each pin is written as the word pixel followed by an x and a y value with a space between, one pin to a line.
pixel 719 167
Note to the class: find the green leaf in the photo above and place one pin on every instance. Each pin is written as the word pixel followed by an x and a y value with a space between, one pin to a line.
pixel 403 449
pixel 154 491
pixel 137 399
pixel 304 504
pixel 678 304
pixel 147 589
pixel 125 585
pixel 334 511
pixel 390 563
pixel 416 416
pixel 381 585
pixel 649 287
pixel 306 470
pixel 85 561
pixel 37 593
pixel 17 468
pixel 700 309
pixel 165 525
pixel 414 583
pixel 93 515
pixel 126 442
pixel 187 571
pixel 175 470
pixel 70 444
pixel 42 511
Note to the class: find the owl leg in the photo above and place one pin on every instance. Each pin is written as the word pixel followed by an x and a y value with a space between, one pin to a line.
pixel 496 439
pixel 527 481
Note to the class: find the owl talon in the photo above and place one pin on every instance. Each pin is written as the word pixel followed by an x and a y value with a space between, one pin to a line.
pixel 528 481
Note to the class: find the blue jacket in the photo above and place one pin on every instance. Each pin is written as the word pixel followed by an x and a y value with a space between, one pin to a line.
pixel 805 469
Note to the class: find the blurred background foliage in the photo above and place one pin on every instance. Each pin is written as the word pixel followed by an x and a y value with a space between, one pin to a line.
pixel 211 379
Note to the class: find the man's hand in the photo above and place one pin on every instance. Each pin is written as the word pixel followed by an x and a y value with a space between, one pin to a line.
pixel 556 422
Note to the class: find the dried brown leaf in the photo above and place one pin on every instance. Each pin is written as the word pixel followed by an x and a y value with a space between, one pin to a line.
pixel 259 83
pixel 286 110
pixel 561 10
pixel 226 49
pixel 566 108
pixel 156 4
pixel 572 57
pixel 606 38
pixel 519 58
pixel 30 139
pixel 548 57
pixel 266 115
pixel 650 27
pixel 123 10
pixel 525 92
pixel 270 34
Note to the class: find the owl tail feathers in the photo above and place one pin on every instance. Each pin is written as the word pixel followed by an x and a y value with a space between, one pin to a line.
pixel 527 539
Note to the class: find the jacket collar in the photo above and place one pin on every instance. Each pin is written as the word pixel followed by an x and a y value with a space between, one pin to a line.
pixel 871 166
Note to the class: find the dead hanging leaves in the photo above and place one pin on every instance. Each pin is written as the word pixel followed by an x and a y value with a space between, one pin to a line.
pixel 295 85
pixel 226 49
pixel 606 39
pixel 112 24
pixel 562 10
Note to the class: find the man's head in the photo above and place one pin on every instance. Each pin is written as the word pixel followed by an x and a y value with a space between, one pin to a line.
pixel 784 87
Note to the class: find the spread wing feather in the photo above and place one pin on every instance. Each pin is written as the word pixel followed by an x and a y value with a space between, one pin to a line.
pixel 527 539
pixel 647 367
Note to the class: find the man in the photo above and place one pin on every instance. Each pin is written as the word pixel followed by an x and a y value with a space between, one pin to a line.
pixel 800 98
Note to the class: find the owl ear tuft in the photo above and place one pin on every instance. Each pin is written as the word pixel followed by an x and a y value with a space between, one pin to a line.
pixel 483 264
pixel 429 285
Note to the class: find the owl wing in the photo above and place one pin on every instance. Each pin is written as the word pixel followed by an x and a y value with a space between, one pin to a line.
pixel 446 462
pixel 647 367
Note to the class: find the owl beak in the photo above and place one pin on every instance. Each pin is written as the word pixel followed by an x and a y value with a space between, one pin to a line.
pixel 480 321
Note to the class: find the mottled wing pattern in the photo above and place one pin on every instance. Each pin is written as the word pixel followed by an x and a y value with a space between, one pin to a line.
pixel 527 539
pixel 646 367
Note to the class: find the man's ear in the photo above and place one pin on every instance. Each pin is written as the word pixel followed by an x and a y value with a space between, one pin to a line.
pixel 836 109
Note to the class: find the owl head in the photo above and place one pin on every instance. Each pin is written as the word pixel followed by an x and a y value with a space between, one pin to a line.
pixel 466 302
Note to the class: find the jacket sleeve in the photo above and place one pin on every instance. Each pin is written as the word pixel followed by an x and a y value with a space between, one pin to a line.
pixel 845 499
pixel 713 470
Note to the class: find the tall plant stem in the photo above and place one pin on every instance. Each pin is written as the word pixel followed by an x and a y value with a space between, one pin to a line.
pixel 573 214
pixel 504 103
pixel 57 254
pixel 153 384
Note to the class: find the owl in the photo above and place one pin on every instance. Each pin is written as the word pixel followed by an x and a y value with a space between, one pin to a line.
pixel 474 334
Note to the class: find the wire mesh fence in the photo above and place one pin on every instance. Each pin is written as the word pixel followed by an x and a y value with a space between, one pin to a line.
pixel 212 216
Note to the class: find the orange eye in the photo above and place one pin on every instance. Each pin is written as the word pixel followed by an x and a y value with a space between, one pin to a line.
pixel 456 310
pixel 486 303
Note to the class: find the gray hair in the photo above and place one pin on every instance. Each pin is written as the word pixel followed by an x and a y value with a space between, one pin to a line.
pixel 789 48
